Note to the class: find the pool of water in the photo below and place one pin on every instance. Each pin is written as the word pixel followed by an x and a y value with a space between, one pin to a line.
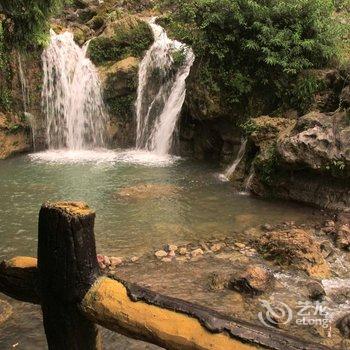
pixel 188 201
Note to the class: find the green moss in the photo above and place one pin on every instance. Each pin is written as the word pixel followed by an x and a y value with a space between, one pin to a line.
pixel 130 37
pixel 267 167
pixel 337 168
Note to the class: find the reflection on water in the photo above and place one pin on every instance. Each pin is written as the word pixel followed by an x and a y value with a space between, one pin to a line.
pixel 200 206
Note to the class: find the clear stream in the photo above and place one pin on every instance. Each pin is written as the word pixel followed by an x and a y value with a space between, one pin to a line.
pixel 199 206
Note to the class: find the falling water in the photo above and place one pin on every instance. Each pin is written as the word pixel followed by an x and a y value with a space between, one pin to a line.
pixel 24 87
pixel 249 181
pixel 232 168
pixel 72 99
pixel 161 91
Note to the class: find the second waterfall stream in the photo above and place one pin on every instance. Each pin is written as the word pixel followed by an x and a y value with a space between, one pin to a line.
pixel 161 91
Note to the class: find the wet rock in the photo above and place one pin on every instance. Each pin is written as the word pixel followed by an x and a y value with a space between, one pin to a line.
pixel 116 261
pixel 107 261
pixel 343 325
pixel 255 280
pixel 218 281
pixel 343 218
pixel 316 290
pixel 160 254
pixel 343 237
pixel 295 248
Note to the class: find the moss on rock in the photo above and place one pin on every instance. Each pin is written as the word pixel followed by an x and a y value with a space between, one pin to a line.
pixel 129 36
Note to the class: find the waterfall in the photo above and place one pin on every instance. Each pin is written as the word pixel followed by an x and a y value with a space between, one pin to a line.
pixel 23 82
pixel 161 91
pixel 71 96
pixel 249 181
pixel 232 168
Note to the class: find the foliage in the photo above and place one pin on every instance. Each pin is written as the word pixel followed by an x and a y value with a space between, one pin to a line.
pixel 178 57
pixel 252 45
pixel 337 168
pixel 301 92
pixel 127 40
pixel 268 166
pixel 26 21
pixel 249 127
pixel 5 75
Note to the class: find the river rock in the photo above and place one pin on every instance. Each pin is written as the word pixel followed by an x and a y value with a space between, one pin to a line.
pixel 116 261
pixel 316 290
pixel 255 280
pixel 160 254
pixel 294 248
pixel 167 260
pixel 171 248
pixel 197 252
pixel 217 247
pixel 134 259
pixel 183 251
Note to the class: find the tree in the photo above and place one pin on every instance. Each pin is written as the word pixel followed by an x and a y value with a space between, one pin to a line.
pixel 25 23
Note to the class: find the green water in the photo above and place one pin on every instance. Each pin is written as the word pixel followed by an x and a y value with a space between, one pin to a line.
pixel 200 206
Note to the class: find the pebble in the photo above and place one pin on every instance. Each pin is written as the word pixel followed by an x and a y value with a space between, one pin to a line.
pixel 170 248
pixel 116 261
pixel 240 245
pixel 134 259
pixel 166 260
pixel 216 247
pixel 197 252
pixel 171 254
pixel 160 253
pixel 183 251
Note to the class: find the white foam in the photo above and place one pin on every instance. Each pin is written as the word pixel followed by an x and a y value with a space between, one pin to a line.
pixel 102 156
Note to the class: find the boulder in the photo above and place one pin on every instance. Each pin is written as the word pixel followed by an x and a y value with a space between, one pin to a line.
pixel 120 78
pixel 255 280
pixel 294 248
pixel 320 142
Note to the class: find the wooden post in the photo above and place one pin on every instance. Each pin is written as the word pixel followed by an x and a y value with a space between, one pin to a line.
pixel 67 267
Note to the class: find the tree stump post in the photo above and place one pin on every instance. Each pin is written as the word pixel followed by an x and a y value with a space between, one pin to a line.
pixel 68 267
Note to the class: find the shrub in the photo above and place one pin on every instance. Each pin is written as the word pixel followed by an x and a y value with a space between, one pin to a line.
pixel 26 22
pixel 252 45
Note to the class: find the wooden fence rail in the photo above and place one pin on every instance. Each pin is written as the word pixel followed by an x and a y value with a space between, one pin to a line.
pixel 75 297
